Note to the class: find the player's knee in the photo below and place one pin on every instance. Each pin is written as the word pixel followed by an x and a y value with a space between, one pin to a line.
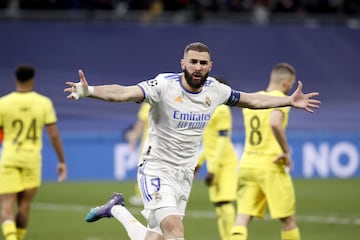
pixel 288 223
pixel 172 226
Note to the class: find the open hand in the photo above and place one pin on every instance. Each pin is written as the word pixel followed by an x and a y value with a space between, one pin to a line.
pixel 79 89
pixel 62 172
pixel 304 100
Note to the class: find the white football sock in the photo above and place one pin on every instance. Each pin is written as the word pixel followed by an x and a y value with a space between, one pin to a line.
pixel 134 229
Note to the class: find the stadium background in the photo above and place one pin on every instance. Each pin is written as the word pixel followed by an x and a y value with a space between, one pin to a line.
pixel 320 38
pixel 326 55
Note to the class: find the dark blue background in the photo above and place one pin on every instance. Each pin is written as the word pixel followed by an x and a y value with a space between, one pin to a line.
pixel 327 59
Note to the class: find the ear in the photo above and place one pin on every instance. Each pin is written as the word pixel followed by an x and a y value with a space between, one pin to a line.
pixel 182 64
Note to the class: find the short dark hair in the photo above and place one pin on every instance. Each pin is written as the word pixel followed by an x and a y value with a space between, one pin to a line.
pixel 284 68
pixel 24 72
pixel 197 46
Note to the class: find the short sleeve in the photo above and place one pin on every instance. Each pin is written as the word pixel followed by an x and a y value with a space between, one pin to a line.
pixel 153 88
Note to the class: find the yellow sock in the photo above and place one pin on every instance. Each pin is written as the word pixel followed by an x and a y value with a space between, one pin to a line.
pixel 21 232
pixel 9 230
pixel 238 233
pixel 293 234
pixel 220 222
pixel 225 219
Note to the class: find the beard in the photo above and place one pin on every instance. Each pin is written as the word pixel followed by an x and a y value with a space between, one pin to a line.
pixel 194 83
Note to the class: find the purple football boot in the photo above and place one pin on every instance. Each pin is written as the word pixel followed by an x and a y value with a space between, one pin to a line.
pixel 105 210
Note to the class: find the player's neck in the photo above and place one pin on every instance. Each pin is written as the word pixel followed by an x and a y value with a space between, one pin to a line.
pixel 274 87
pixel 23 89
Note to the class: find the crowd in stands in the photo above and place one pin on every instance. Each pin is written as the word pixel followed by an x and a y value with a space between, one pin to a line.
pixel 198 8
pixel 320 6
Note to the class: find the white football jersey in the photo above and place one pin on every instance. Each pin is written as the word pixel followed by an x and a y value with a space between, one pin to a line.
pixel 177 117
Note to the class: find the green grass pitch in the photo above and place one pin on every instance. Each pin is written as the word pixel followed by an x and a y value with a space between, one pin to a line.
pixel 326 209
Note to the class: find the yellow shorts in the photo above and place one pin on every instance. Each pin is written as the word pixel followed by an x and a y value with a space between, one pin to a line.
pixel 259 188
pixel 15 179
pixel 224 187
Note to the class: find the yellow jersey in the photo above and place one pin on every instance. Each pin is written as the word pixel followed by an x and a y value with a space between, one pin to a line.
pixel 261 147
pixel 22 117
pixel 220 122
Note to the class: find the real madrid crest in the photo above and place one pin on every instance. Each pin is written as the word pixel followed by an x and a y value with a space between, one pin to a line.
pixel 207 101
pixel 157 196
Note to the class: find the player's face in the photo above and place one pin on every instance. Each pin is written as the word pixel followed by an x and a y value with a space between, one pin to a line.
pixel 196 67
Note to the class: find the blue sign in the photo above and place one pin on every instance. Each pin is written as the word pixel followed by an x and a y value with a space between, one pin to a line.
pixel 104 157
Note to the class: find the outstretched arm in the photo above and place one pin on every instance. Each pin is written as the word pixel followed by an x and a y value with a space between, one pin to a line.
pixel 111 93
pixel 298 100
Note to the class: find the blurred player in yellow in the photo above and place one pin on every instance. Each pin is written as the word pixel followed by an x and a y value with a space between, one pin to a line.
pixel 222 161
pixel 139 129
pixel 263 177
pixel 23 114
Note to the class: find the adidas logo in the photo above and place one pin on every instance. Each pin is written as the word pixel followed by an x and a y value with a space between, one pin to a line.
pixel 178 99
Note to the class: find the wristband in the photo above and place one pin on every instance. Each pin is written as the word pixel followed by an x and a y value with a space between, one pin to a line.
pixel 80 93
pixel 90 90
